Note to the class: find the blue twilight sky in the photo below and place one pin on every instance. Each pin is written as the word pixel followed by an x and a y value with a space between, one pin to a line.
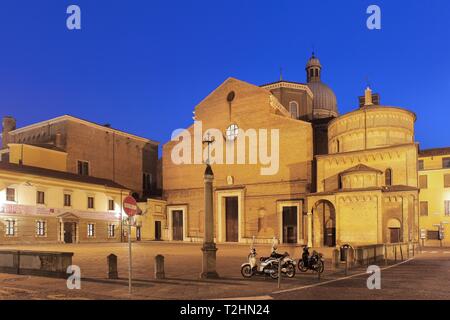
pixel 142 66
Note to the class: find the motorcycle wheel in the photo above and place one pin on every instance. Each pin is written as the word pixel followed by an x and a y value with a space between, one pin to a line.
pixel 301 266
pixel 247 271
pixel 290 270
pixel 320 267
pixel 274 274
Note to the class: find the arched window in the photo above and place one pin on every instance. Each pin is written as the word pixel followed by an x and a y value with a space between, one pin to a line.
pixel 317 72
pixel 311 73
pixel 388 177
pixel 293 109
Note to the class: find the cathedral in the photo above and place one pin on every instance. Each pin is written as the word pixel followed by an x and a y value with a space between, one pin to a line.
pixel 348 178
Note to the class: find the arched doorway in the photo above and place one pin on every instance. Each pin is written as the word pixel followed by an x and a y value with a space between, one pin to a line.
pixel 326 216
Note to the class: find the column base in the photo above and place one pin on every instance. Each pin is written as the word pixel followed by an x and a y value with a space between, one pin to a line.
pixel 209 261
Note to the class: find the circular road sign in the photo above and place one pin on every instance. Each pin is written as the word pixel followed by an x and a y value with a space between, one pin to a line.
pixel 130 206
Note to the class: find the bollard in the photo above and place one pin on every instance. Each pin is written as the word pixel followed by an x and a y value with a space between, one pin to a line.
pixel 346 261
pixel 336 258
pixel 385 255
pixel 112 267
pixel 159 267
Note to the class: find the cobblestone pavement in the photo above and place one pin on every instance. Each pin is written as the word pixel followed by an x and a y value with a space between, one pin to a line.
pixel 183 266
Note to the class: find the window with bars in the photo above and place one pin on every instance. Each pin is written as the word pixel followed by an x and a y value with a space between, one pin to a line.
pixel 90 202
pixel 10 227
pixel 41 228
pixel 67 200
pixel 40 197
pixel 111 230
pixel 10 194
pixel 91 230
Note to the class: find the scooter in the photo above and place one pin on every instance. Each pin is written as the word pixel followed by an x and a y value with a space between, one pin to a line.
pixel 315 262
pixel 268 265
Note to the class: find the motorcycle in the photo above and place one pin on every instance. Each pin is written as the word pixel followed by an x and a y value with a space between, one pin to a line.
pixel 315 262
pixel 268 265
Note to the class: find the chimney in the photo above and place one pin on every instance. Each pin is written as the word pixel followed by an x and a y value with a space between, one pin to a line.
pixel 58 141
pixel 8 125
pixel 369 98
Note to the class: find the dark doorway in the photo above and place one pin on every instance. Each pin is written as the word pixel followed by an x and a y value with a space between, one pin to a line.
pixel 327 215
pixel 69 232
pixel 157 230
pixel 138 233
pixel 330 234
pixel 394 235
pixel 177 225
pixel 232 219
pixel 289 224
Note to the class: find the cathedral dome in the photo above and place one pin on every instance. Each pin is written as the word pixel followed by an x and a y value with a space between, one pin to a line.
pixel 324 99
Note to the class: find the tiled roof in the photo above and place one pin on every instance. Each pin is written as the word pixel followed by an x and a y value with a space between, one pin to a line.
pixel 434 152
pixel 59 175
pixel 361 167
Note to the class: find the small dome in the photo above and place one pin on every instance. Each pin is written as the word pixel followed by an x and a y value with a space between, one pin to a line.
pixel 313 62
pixel 324 100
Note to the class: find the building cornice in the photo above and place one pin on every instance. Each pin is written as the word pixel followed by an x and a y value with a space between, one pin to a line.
pixel 288 85
pixel 80 121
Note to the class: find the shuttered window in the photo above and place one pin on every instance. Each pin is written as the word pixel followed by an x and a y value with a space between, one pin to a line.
pixel 423 208
pixel 423 182
pixel 446 180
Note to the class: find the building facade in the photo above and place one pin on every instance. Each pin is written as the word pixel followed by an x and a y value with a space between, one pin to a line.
pixel 434 183
pixel 341 179
pixel 39 205
pixel 91 150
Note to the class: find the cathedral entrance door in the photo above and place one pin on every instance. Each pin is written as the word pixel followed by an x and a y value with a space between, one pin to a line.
pixel 290 224
pixel 232 219
pixel 177 225
pixel 394 235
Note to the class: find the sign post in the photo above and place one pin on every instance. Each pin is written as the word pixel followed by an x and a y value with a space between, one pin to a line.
pixel 130 208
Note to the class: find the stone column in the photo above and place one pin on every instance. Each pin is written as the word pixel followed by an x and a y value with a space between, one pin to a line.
pixel 309 219
pixel 209 247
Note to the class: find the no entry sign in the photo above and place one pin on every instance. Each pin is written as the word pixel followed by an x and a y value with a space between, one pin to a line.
pixel 130 206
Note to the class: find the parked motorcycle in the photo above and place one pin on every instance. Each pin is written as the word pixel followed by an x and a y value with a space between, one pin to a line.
pixel 315 262
pixel 268 265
